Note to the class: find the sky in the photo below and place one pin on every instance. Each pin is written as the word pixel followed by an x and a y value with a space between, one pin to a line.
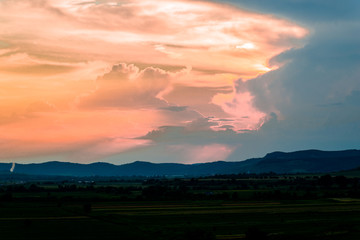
pixel 177 80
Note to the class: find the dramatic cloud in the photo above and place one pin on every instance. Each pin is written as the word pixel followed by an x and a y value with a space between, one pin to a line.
pixel 312 101
pixel 129 87
pixel 304 11
pixel 182 81
pixel 156 32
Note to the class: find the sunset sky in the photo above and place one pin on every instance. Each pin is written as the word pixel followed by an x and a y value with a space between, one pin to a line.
pixel 177 80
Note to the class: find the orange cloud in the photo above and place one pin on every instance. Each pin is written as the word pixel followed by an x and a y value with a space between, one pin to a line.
pixel 197 33
pixel 126 86
pixel 70 132
pixel 62 88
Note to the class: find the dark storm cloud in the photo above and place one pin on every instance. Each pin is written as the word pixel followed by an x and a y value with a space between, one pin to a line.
pixel 306 11
pixel 175 108
pixel 313 100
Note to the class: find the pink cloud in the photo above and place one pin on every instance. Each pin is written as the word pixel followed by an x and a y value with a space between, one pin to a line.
pixel 198 33
pixel 63 90
pixel 59 132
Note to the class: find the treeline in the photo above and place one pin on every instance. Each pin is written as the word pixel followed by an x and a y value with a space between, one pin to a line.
pixel 222 187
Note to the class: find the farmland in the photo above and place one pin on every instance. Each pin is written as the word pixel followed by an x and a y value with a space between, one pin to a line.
pixel 220 207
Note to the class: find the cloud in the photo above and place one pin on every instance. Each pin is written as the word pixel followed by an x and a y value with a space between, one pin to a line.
pixel 304 11
pixel 196 131
pixel 156 32
pixel 323 72
pixel 86 136
pixel 176 108
pixel 127 86
pixel 198 98
pixel 41 106
pixel 178 63
pixel 312 100
pixel 192 143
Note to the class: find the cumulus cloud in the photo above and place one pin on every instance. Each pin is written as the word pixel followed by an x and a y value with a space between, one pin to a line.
pixel 127 86
pixel 312 100
pixel 214 81
pixel 323 72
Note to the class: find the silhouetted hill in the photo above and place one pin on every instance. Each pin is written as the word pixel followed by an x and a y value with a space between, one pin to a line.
pixel 309 161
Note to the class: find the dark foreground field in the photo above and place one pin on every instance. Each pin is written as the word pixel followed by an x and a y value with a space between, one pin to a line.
pixel 220 208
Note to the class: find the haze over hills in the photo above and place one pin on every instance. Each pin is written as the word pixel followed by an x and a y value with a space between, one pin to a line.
pixel 308 161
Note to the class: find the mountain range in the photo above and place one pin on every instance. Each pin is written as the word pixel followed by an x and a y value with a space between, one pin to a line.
pixel 308 161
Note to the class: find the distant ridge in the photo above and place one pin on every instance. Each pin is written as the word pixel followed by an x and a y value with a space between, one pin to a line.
pixel 307 161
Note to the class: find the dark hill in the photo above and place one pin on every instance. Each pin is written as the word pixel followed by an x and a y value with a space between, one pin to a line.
pixel 309 161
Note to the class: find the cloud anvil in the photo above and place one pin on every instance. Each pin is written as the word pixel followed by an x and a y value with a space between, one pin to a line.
pixel 172 81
